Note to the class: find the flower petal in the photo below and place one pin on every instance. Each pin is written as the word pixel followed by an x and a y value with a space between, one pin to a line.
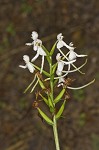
pixel 41 51
pixel 24 67
pixel 30 67
pixel 34 35
pixel 60 44
pixel 60 66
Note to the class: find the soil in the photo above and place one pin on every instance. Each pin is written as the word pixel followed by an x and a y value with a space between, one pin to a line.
pixel 20 126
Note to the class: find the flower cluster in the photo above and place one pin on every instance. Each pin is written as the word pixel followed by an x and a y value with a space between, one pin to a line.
pixel 37 46
pixel 61 59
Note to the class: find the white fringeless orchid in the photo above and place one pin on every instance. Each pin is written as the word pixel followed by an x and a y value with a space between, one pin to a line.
pixel 61 43
pixel 60 67
pixel 28 64
pixel 37 46
pixel 60 71
pixel 71 54
pixel 34 37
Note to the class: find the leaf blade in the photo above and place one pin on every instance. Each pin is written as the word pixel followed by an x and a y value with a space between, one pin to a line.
pixel 41 84
pixel 58 98
pixel 47 54
pixel 45 99
pixel 54 68
pixel 53 48
pixel 45 117
pixel 59 113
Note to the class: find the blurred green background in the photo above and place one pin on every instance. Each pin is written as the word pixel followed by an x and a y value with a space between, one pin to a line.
pixel 20 126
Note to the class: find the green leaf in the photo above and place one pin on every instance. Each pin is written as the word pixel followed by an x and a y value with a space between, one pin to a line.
pixel 53 48
pixel 45 100
pixel 45 117
pixel 58 98
pixel 56 80
pixel 52 110
pixel 59 113
pixel 54 68
pixel 50 102
pixel 41 84
pixel 47 53
pixel 48 59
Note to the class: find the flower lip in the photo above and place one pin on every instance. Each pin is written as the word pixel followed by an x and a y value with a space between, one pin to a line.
pixel 39 42
pixel 58 57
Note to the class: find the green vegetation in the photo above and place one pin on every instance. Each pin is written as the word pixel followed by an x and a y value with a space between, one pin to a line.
pixel 5 41
pixel 97 76
pixel 79 95
pixel 95 141
pixel 10 29
pixel 2 105
pixel 26 8
pixel 82 119
pixel 23 103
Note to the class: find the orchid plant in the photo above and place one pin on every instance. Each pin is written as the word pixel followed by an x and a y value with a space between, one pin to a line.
pixel 57 77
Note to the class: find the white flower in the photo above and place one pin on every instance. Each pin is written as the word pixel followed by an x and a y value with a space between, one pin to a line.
pixel 59 72
pixel 40 51
pixel 37 46
pixel 72 58
pixel 61 43
pixel 73 55
pixel 34 37
pixel 60 67
pixel 28 64
pixel 61 64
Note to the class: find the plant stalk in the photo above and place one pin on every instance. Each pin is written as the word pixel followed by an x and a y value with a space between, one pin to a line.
pixel 55 133
pixel 52 99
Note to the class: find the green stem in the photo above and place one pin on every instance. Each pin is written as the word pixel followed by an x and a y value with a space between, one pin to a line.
pixel 52 99
pixel 55 133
